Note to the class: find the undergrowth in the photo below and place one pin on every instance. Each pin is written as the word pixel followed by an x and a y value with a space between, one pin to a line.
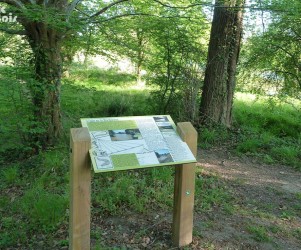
pixel 270 133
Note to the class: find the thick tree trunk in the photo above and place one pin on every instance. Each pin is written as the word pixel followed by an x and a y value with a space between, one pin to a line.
pixel 45 43
pixel 219 82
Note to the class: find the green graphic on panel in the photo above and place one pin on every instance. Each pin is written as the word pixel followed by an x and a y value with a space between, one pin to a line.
pixel 111 125
pixel 125 160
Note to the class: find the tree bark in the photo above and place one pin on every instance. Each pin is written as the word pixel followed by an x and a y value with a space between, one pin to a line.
pixel 46 45
pixel 223 53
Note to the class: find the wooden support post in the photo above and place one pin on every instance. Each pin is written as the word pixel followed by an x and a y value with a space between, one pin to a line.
pixel 184 190
pixel 80 189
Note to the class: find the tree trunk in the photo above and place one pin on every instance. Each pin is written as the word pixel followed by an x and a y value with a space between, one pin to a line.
pixel 87 50
pixel 140 54
pixel 46 45
pixel 223 52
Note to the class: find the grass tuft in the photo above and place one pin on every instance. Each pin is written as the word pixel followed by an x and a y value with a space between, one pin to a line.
pixel 259 233
pixel 10 175
pixel 45 210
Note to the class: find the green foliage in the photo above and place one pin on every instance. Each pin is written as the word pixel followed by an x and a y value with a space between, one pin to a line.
pixel 10 175
pixel 271 60
pixel 211 193
pixel 17 86
pixel 118 107
pixel 249 145
pixel 259 233
pixel 288 154
pixel 175 66
pixel 267 131
pixel 172 50
pixel 93 75
pixel 297 233
pixel 102 98
pixel 38 202
pixel 44 209
pixel 268 159
pixel 137 190
pixel 209 136
pixel 11 232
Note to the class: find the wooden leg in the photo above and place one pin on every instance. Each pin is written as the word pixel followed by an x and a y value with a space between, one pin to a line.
pixel 184 190
pixel 80 189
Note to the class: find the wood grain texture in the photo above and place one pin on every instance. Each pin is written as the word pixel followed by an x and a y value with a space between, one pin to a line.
pixel 184 190
pixel 80 189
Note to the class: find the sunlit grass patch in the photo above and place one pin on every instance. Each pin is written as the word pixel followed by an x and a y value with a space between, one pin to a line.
pixel 268 131
pixel 93 76
pixel 89 95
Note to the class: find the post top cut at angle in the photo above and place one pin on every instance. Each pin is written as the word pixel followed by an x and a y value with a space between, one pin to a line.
pixel 123 143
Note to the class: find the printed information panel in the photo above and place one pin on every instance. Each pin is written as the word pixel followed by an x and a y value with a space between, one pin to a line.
pixel 121 143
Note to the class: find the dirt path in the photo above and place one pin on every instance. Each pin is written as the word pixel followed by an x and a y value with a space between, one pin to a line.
pixel 267 205
pixel 264 210
pixel 250 171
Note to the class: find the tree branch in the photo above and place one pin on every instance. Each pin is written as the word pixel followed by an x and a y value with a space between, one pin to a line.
pixel 182 7
pixel 14 32
pixel 284 50
pixel 139 14
pixel 72 6
pixel 290 73
pixel 287 73
pixel 297 34
pixel 107 7
pixel 267 8
pixel 122 15
pixel 85 14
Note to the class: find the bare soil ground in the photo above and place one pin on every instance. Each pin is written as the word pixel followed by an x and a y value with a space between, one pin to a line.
pixel 265 212
pixel 267 197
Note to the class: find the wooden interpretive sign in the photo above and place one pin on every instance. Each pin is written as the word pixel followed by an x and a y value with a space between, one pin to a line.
pixel 122 143
pixel 130 143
